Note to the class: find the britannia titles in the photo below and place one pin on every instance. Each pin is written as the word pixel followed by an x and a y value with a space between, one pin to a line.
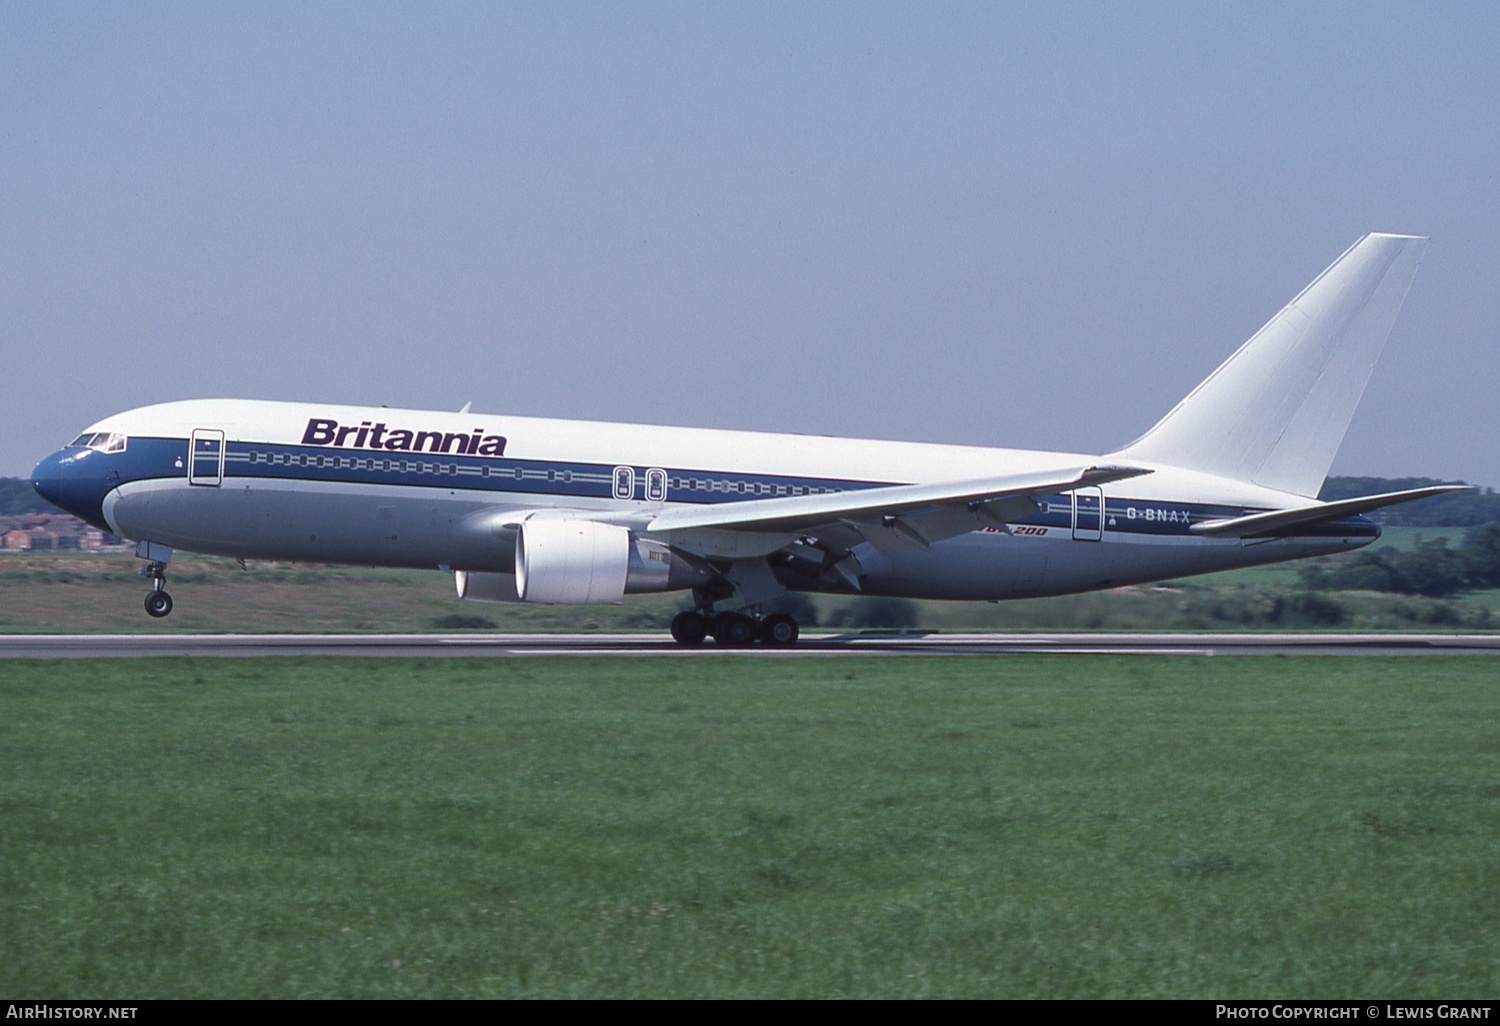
pixel 366 435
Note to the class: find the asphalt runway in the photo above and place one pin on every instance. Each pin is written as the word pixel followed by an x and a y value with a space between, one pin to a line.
pixel 113 646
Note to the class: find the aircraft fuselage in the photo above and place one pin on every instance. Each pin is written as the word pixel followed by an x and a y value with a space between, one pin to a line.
pixel 406 488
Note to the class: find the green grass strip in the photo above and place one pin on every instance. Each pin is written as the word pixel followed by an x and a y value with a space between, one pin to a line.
pixel 1026 826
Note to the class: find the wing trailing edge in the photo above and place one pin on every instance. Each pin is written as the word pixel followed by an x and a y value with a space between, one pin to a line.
pixel 984 499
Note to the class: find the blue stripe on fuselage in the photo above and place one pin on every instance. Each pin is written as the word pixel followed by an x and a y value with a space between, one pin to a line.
pixel 165 458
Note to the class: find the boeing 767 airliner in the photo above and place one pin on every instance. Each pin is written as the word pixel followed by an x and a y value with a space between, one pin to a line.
pixel 521 509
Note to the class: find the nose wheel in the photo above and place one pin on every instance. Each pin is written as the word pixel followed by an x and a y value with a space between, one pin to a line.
pixel 158 602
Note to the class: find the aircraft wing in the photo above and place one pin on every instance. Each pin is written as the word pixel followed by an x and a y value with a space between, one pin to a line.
pixel 896 516
pixel 1264 523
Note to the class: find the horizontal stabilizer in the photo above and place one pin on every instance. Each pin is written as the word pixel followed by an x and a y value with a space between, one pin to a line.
pixel 1276 519
pixel 803 512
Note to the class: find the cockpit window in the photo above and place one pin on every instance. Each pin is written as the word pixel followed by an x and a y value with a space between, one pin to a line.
pixel 102 441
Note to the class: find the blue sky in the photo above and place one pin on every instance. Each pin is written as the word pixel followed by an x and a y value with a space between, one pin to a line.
pixel 1021 225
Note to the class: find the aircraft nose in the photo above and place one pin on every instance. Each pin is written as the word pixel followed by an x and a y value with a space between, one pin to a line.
pixel 66 480
pixel 47 478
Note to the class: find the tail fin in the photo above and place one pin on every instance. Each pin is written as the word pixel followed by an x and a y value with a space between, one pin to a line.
pixel 1274 413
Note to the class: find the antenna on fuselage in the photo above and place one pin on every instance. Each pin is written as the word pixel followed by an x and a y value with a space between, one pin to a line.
pixel 466 406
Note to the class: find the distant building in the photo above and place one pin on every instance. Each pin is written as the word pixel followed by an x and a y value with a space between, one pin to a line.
pixel 54 532
pixel 36 539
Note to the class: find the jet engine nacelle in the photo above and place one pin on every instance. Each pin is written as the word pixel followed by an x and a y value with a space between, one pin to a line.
pixel 571 562
pixel 567 561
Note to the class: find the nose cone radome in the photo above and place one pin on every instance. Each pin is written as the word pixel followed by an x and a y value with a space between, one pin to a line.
pixel 71 481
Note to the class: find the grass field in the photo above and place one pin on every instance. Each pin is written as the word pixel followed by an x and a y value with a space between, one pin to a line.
pixel 102 593
pixel 1020 826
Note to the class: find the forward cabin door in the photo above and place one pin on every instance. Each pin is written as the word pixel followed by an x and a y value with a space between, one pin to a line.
pixel 206 457
pixel 1088 514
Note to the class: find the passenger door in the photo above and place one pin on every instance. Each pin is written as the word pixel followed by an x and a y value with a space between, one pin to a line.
pixel 1088 514
pixel 206 457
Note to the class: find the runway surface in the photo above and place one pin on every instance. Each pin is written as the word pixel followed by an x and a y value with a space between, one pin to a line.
pixel 112 646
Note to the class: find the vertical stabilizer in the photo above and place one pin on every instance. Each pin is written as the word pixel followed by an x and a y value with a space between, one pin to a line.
pixel 1275 412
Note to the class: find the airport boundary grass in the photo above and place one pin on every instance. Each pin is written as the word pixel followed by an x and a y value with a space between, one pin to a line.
pixel 101 592
pixel 1024 826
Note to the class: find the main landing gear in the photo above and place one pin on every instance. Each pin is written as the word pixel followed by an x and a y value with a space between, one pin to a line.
pixel 734 630
pixel 158 602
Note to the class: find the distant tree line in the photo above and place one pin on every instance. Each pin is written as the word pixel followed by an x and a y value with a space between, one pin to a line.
pixel 17 496
pixel 1432 568
pixel 1464 509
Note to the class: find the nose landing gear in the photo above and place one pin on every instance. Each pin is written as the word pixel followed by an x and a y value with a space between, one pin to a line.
pixel 157 556
pixel 158 602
